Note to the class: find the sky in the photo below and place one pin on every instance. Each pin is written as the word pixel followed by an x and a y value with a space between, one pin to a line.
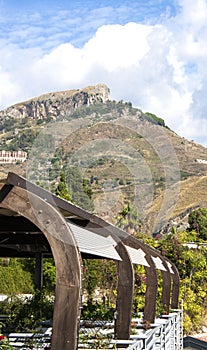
pixel 150 52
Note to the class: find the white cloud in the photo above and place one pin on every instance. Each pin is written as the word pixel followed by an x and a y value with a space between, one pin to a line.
pixel 161 68
pixel 115 46
pixel 63 65
pixel 194 12
pixel 7 87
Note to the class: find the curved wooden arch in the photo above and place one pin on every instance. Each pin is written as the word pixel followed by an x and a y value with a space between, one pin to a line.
pixel 125 289
pixel 67 259
pixel 125 294
pixel 171 285
pixel 171 282
pixel 175 287
pixel 166 280
pixel 151 273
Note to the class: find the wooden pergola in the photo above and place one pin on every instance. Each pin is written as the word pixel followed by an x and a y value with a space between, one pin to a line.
pixel 36 223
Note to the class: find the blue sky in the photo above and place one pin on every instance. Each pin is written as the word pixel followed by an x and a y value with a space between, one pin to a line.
pixel 152 53
pixel 74 21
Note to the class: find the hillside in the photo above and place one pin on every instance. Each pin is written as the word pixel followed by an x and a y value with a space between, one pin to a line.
pixel 126 156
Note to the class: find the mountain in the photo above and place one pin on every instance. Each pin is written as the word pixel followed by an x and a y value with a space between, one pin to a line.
pixel 56 105
pixel 126 156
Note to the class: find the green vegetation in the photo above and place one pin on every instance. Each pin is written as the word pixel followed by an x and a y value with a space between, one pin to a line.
pixel 15 278
pixel 25 313
pixel 198 222
pixel 61 190
pixel 73 187
pixel 7 124
pixel 153 118
pixel 185 175
pixel 23 140
pixel 191 264
pixel 104 278
pixel 79 188
pixel 128 219
pixel 109 110
pixel 93 310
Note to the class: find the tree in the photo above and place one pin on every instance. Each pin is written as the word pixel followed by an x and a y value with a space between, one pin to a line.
pixel 104 278
pixel 152 117
pixel 198 221
pixel 79 188
pixel 62 190
pixel 191 264
pixel 15 278
pixel 128 219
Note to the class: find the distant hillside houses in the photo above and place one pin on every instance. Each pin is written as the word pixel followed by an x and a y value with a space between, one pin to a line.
pixel 12 157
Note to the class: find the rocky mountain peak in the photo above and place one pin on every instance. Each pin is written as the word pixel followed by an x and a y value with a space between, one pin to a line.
pixel 57 104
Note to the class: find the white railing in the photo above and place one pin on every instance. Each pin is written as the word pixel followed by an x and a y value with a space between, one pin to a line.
pixel 165 334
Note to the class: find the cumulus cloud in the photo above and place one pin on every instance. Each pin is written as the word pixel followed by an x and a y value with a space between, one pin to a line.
pixel 7 87
pixel 115 46
pixel 160 68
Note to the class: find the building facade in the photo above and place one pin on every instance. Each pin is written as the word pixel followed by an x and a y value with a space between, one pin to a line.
pixel 12 157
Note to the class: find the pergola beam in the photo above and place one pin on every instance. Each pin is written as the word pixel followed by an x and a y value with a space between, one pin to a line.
pixel 67 260
pixel 44 217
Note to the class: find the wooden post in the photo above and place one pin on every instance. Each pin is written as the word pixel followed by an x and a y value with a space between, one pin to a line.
pixel 38 271
pixel 151 273
pixel 125 294
pixel 166 288
pixel 151 292
pixel 166 279
pixel 175 288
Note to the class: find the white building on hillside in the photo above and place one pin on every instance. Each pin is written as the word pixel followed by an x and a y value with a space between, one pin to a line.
pixel 12 157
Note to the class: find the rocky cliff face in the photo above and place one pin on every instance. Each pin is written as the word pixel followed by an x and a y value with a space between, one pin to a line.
pixel 57 104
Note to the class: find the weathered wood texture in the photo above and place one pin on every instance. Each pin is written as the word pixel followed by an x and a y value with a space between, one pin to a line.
pixel 166 280
pixel 170 285
pixel 175 288
pixel 125 294
pixel 67 259
pixel 171 281
pixel 151 273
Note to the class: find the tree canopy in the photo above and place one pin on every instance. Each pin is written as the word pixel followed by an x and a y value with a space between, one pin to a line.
pixel 198 222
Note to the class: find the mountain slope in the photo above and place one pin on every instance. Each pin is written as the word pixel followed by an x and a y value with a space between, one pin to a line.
pixel 126 155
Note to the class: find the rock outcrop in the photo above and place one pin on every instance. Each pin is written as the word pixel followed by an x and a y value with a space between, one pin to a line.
pixel 57 104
